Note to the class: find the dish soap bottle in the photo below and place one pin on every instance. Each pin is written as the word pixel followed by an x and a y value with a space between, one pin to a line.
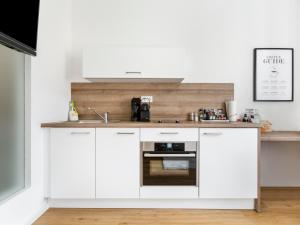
pixel 73 114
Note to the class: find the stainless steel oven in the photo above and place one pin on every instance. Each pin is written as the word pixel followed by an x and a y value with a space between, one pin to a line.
pixel 173 164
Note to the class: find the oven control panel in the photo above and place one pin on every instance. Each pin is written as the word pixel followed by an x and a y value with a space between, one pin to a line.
pixel 169 147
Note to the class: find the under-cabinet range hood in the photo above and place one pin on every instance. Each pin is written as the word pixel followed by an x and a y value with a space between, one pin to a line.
pixel 132 64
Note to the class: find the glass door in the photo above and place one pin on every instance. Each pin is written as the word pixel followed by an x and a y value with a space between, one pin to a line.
pixel 169 169
pixel 12 122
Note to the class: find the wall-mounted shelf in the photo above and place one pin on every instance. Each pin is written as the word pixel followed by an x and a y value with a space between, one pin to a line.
pixel 277 136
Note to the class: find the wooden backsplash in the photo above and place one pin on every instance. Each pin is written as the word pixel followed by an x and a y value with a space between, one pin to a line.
pixel 170 100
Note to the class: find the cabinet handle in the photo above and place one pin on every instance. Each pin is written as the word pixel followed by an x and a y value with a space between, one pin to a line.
pixel 212 133
pixel 120 133
pixel 80 133
pixel 169 133
pixel 132 72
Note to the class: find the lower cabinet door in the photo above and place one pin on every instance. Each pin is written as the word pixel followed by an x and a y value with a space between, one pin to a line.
pixel 228 163
pixel 72 163
pixel 117 163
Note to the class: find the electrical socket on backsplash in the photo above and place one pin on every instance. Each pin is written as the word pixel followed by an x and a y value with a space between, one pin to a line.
pixel 147 99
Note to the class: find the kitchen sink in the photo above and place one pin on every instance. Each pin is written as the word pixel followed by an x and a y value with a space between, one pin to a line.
pixel 97 121
pixel 90 121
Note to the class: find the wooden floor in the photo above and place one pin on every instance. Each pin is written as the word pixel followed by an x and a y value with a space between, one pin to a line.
pixel 280 207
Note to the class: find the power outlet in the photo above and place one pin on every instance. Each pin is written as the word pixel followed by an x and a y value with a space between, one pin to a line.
pixel 146 98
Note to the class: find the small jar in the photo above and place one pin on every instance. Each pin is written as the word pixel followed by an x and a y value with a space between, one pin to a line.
pixel 201 114
pixel 196 117
pixel 256 116
pixel 191 116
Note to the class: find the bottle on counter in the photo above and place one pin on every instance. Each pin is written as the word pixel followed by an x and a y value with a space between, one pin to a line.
pixel 191 116
pixel 256 117
pixel 196 117
pixel 201 114
pixel 245 118
pixel 73 114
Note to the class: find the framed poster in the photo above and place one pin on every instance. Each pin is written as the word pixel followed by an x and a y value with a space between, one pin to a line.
pixel 273 74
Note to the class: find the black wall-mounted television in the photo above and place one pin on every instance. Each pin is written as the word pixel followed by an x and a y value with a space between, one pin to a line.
pixel 19 25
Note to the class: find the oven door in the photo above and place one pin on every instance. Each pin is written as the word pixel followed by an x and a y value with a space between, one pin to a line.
pixel 169 169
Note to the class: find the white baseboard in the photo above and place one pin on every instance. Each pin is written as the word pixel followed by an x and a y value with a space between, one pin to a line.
pixel 166 192
pixel 40 211
pixel 154 203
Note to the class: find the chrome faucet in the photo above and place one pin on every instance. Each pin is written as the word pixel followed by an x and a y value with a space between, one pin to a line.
pixel 105 116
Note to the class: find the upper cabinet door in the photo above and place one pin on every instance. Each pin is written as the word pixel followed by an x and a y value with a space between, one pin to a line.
pixel 72 163
pixel 118 163
pixel 134 63
pixel 228 163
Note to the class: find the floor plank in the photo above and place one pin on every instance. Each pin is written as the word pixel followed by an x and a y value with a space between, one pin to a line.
pixel 280 207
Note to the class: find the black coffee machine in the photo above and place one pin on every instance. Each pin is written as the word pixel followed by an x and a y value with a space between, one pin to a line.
pixel 135 109
pixel 140 111
pixel 145 112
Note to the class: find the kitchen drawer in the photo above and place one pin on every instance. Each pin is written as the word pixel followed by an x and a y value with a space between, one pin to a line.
pixel 169 134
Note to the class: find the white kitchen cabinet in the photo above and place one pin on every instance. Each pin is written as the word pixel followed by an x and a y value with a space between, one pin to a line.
pixel 72 163
pixel 228 163
pixel 114 63
pixel 169 134
pixel 117 163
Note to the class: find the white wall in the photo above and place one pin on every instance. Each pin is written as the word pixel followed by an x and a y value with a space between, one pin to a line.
pixel 49 99
pixel 219 37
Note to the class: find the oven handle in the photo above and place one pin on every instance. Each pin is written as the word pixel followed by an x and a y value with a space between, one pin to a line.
pixel 149 155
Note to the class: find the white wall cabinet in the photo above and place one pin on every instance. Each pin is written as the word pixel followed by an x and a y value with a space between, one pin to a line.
pixel 114 63
pixel 228 163
pixel 72 163
pixel 117 163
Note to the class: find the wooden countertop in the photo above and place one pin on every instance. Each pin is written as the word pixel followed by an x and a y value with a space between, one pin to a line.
pixel 281 136
pixel 129 124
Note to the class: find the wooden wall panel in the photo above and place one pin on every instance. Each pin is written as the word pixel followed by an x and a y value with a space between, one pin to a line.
pixel 170 100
